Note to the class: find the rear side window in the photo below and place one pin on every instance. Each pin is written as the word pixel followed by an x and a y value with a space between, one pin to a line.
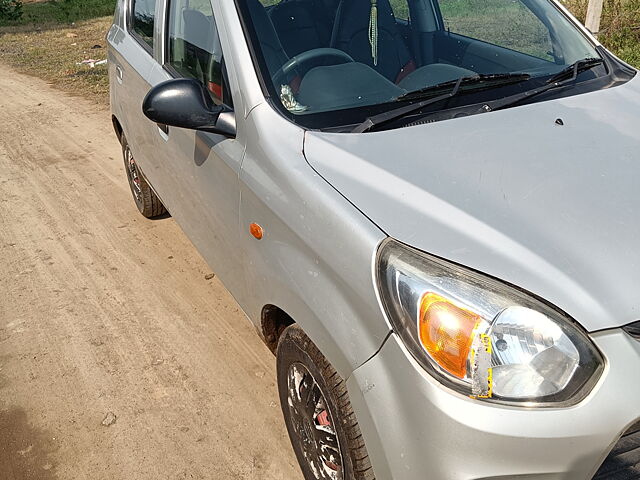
pixel 194 45
pixel 144 13
pixel 506 23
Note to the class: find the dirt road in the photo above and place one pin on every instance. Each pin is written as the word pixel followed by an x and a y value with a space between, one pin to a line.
pixel 105 313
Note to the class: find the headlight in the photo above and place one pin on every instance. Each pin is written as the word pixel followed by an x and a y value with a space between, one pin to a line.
pixel 482 337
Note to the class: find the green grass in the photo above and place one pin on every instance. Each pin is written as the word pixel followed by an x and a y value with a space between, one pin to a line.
pixel 620 27
pixel 62 12
pixel 52 52
pixel 506 23
pixel 52 37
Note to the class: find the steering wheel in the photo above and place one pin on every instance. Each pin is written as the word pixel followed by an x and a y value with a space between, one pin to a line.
pixel 307 56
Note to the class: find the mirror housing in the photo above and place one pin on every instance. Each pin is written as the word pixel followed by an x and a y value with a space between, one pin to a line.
pixel 185 103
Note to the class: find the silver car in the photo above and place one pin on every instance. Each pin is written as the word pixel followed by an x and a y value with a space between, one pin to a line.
pixel 430 210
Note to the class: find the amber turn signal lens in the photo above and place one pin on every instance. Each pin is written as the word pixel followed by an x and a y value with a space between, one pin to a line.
pixel 256 231
pixel 447 332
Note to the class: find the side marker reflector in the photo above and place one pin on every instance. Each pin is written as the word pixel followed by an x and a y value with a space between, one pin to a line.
pixel 256 230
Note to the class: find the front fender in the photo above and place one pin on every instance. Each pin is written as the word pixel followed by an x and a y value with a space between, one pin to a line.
pixel 316 258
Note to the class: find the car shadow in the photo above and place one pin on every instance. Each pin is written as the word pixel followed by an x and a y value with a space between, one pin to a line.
pixel 204 143
pixel 164 216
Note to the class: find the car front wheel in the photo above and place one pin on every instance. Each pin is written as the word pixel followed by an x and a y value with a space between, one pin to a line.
pixel 321 423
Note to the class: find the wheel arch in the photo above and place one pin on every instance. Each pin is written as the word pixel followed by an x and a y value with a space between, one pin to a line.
pixel 273 321
pixel 117 127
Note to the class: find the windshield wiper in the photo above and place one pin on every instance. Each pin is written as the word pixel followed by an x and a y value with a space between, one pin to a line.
pixel 384 117
pixel 491 80
pixel 554 82
pixel 575 68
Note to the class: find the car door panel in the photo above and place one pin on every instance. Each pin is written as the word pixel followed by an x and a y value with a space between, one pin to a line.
pixel 200 188
pixel 198 172
pixel 135 64
pixel 151 161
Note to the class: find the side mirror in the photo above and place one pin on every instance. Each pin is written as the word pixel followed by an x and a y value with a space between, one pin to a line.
pixel 185 103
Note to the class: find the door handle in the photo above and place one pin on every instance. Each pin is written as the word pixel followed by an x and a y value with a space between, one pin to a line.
pixel 119 73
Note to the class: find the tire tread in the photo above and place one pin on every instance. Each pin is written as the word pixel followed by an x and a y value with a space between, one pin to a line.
pixel 362 469
pixel 151 206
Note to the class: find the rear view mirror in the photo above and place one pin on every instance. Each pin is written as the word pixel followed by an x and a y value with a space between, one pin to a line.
pixel 185 103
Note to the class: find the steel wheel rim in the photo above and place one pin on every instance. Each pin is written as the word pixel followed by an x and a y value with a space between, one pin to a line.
pixel 313 424
pixel 132 173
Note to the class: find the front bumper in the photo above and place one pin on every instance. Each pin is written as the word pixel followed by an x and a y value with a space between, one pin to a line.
pixel 415 428
pixel 623 463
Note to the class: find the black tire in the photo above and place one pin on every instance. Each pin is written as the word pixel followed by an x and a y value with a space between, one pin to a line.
pixel 299 364
pixel 146 200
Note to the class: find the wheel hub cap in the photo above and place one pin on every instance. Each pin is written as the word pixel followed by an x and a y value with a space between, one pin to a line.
pixel 313 424
pixel 134 177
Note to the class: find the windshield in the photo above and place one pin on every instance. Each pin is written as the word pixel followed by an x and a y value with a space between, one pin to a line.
pixel 339 55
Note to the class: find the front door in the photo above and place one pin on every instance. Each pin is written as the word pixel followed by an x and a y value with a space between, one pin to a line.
pixel 201 186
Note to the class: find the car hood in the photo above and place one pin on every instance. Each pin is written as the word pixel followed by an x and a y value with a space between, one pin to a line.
pixel 553 209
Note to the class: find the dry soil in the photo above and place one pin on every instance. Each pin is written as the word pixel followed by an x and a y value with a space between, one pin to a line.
pixel 118 359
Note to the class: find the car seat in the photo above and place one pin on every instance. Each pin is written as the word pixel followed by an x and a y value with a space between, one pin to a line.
pixel 351 34
pixel 302 25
